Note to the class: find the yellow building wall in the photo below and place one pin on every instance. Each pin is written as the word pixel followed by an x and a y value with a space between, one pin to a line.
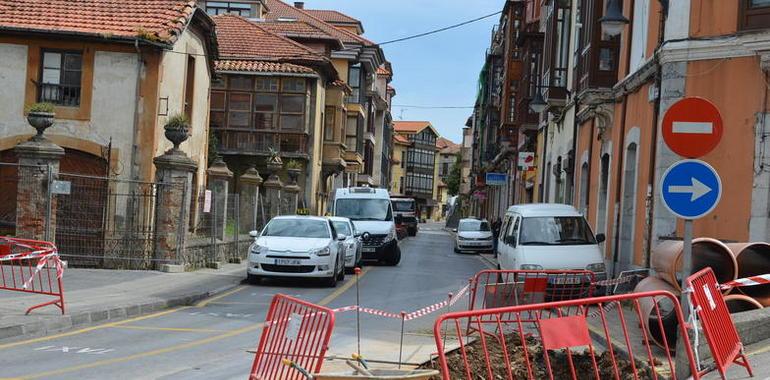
pixel 397 172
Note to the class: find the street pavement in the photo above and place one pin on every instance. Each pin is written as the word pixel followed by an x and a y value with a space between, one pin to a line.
pixel 211 339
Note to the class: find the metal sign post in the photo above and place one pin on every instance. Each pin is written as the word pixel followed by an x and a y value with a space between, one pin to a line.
pixel 686 266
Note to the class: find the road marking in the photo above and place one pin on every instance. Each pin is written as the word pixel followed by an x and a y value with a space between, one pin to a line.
pixel 209 300
pixel 75 350
pixel 236 303
pixel 88 329
pixel 180 329
pixel 343 288
pixel 694 127
pixel 759 351
pixel 182 346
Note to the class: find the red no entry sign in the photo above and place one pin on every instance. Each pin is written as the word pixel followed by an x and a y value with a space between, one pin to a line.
pixel 692 127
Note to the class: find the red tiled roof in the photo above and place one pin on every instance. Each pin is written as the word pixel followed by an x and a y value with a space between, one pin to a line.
pixel 400 139
pixel 296 29
pixel 157 20
pixel 241 39
pixel 262 67
pixel 410 126
pixel 382 70
pixel 442 142
pixel 280 10
pixel 332 16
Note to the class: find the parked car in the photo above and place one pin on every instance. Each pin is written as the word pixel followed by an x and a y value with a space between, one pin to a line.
pixel 473 235
pixel 405 209
pixel 370 211
pixel 352 244
pixel 549 236
pixel 297 246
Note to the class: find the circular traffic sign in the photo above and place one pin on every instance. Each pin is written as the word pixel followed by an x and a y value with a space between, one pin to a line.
pixel 690 189
pixel 692 127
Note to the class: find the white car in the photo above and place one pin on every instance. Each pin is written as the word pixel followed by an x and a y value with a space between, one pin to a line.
pixel 549 236
pixel 474 235
pixel 352 244
pixel 297 246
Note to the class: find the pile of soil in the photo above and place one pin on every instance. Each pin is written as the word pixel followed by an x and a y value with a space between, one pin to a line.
pixel 516 355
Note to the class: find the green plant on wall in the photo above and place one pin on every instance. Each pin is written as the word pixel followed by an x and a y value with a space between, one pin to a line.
pixel 213 151
pixel 454 179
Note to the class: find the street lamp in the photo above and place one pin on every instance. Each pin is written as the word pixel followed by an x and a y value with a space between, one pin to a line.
pixel 614 21
pixel 538 104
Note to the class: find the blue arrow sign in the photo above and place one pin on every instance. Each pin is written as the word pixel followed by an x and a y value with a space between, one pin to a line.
pixel 691 189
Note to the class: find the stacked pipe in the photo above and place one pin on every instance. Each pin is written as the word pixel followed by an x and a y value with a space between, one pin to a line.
pixel 728 261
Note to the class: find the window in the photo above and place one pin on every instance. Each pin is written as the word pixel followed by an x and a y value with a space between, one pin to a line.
pixel 223 7
pixel 189 88
pixel 403 159
pixel 354 81
pixel 419 183
pixel 754 14
pixel 329 117
pixel 257 104
pixel 60 78
pixel 556 230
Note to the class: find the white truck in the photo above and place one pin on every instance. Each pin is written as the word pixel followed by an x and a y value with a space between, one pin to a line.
pixel 371 212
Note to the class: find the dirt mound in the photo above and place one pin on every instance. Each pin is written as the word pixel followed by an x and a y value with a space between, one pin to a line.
pixel 560 367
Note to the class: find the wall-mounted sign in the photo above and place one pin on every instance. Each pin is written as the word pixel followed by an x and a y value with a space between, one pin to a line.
pixel 526 160
pixel 496 179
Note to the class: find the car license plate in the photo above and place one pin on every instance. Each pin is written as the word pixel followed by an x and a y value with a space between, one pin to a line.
pixel 369 249
pixel 568 280
pixel 288 262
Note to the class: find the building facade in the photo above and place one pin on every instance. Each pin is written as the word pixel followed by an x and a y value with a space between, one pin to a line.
pixel 598 95
pixel 421 165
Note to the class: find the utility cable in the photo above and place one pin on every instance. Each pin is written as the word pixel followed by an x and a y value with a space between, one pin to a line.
pixel 440 29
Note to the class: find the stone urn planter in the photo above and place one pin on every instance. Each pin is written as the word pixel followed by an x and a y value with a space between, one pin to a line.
pixel 41 117
pixel 177 130
pixel 293 174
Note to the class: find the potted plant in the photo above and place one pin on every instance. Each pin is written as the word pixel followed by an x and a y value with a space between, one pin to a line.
pixel 177 129
pixel 293 169
pixel 40 116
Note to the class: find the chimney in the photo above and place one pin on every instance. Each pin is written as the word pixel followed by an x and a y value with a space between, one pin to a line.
pixel 299 4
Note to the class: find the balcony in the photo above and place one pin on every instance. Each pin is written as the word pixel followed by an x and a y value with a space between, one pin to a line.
pixel 259 143
pixel 59 94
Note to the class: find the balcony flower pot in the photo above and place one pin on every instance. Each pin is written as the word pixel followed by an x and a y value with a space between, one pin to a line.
pixel 177 130
pixel 293 174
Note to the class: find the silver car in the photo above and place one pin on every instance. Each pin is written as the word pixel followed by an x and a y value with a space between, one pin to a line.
pixel 474 235
pixel 352 244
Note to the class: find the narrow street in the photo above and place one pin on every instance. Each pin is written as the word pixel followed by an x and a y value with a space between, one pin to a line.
pixel 211 339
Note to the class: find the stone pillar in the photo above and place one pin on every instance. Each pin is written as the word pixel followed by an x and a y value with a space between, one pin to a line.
pixel 273 187
pixel 35 205
pixel 291 192
pixel 249 183
pixel 219 180
pixel 174 173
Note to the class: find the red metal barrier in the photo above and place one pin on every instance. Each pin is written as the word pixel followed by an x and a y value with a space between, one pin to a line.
pixel 500 288
pixel 595 343
pixel 295 330
pixel 721 335
pixel 31 266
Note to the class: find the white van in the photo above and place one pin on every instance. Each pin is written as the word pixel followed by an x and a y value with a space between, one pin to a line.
pixel 372 215
pixel 549 236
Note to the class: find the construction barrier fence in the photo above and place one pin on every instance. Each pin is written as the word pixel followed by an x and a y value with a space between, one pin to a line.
pixel 32 266
pixel 711 310
pixel 590 338
pixel 296 332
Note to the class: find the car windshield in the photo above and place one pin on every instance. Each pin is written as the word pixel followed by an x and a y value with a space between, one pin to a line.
pixel 403 206
pixel 473 225
pixel 364 209
pixel 559 230
pixel 342 228
pixel 305 228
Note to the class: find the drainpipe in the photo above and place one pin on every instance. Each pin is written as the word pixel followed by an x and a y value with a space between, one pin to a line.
pixel 590 158
pixel 654 130
pixel 575 154
pixel 543 163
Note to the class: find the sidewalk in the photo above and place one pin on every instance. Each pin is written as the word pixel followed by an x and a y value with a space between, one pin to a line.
pixel 98 295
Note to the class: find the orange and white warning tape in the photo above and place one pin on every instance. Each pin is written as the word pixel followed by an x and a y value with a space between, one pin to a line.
pixel 763 279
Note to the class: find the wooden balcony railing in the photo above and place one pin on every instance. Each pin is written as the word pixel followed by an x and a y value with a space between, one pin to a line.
pixel 248 142
pixel 59 94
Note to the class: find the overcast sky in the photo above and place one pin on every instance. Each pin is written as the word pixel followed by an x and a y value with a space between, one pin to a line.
pixel 437 70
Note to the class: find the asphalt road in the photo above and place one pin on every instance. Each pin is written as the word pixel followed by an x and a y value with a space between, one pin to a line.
pixel 210 340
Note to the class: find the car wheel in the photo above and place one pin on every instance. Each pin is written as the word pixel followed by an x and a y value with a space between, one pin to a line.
pixel 253 279
pixel 331 281
pixel 395 257
pixel 412 232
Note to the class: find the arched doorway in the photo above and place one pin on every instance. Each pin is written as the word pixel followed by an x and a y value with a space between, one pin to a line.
pixel 628 208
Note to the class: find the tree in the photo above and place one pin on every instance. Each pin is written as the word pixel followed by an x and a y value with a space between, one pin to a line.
pixel 455 176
